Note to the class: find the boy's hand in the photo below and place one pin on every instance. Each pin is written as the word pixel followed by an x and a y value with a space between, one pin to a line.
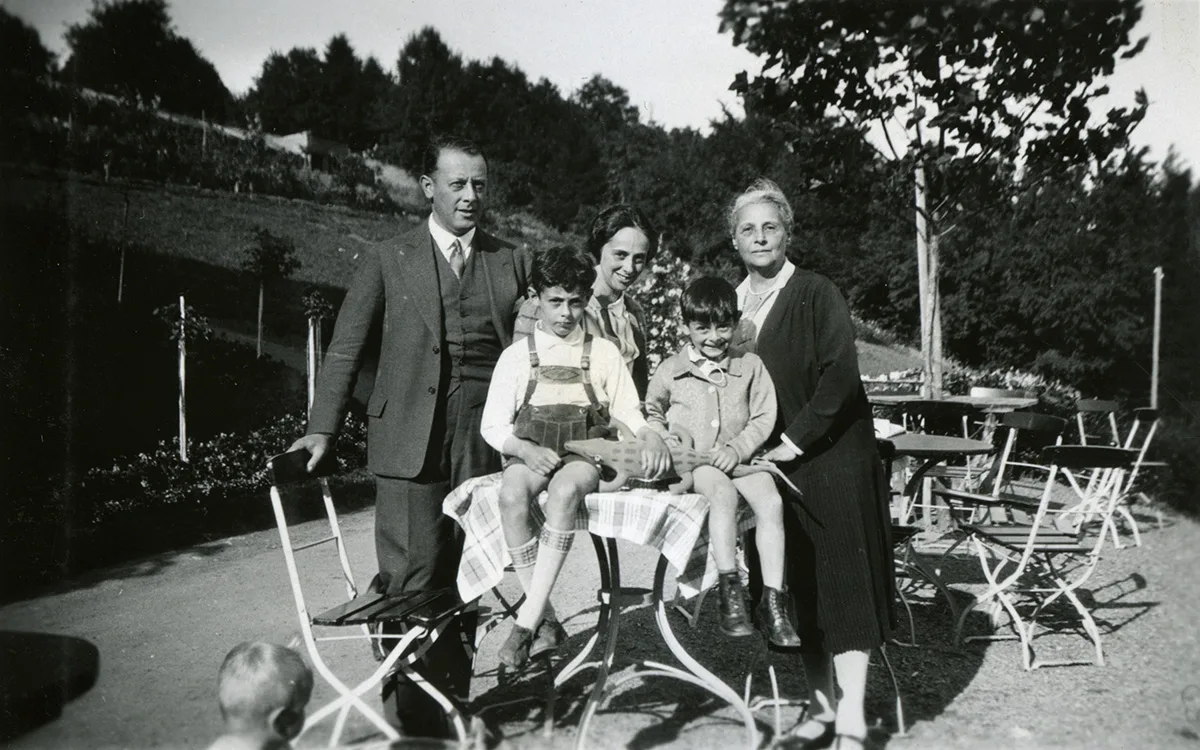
pixel 725 460
pixel 656 458
pixel 541 460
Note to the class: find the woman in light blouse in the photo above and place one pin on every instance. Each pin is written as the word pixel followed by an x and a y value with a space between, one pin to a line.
pixel 623 242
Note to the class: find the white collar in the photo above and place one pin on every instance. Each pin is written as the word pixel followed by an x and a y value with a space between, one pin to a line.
pixel 443 238
pixel 542 336
pixel 781 278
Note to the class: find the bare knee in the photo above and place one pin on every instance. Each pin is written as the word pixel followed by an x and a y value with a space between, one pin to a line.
pixel 569 486
pixel 762 496
pixel 716 487
pixel 514 496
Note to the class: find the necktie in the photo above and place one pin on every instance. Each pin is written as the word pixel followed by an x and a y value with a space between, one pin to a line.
pixel 609 331
pixel 457 262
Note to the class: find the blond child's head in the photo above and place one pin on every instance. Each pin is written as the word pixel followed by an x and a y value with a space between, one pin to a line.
pixel 262 689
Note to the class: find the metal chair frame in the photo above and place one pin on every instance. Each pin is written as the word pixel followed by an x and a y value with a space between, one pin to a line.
pixel 422 616
pixel 1052 557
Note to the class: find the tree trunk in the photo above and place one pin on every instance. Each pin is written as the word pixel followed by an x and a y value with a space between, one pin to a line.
pixel 261 286
pixel 928 292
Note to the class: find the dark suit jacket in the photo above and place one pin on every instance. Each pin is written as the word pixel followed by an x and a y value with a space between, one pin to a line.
pixel 397 283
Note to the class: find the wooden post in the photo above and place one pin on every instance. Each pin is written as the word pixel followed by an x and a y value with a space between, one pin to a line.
pixel 1158 282
pixel 183 452
pixel 121 271
pixel 261 287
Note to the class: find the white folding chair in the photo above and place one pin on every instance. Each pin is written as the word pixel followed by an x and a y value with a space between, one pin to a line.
pixel 1029 567
pixel 1089 412
pixel 421 617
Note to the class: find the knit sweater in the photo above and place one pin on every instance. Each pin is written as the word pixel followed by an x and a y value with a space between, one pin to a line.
pixel 739 414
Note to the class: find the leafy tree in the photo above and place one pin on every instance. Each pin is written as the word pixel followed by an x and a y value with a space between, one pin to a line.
pixel 995 83
pixel 271 257
pixel 129 48
pixel 606 102
pixel 283 95
pixel 430 80
pixel 21 49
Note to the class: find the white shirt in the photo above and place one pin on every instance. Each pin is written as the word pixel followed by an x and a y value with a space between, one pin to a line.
pixel 608 374
pixel 443 238
pixel 765 299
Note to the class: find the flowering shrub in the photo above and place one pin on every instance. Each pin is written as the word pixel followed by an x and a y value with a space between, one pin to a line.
pixel 658 291
pixel 228 466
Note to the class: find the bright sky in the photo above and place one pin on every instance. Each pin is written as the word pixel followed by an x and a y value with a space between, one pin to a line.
pixel 666 53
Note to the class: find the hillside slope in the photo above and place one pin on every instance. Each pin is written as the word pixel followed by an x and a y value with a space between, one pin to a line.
pixel 213 229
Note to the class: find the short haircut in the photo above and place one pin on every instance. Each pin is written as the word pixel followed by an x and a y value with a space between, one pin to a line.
pixel 762 190
pixel 439 143
pixel 257 678
pixel 563 266
pixel 615 218
pixel 709 300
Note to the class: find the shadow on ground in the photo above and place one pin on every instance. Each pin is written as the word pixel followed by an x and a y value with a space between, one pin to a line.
pixel 40 674
pixel 669 711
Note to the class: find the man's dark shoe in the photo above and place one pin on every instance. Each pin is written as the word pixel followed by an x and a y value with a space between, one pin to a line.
pixel 772 616
pixel 733 606
pixel 515 651
pixel 548 636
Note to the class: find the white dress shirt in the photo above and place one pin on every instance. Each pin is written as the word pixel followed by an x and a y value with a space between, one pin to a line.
pixel 443 238
pixel 761 304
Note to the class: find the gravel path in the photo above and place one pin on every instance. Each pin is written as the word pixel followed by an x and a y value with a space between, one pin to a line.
pixel 162 626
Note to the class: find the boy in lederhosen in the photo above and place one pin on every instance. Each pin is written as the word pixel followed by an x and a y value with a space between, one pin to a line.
pixel 556 385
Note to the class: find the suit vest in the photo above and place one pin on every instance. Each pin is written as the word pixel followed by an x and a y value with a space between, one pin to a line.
pixel 472 342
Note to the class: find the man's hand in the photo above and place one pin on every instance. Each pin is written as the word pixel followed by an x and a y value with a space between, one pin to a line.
pixel 541 460
pixel 317 444
pixel 781 454
pixel 656 458
pixel 725 460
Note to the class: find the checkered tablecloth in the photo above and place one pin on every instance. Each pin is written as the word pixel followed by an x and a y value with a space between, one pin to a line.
pixel 676 525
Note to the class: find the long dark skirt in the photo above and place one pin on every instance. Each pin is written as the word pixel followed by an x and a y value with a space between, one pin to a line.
pixel 839 562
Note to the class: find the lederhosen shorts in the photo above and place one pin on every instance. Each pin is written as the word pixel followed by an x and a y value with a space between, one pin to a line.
pixel 552 425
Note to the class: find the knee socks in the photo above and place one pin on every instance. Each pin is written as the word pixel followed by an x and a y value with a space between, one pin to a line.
pixel 552 549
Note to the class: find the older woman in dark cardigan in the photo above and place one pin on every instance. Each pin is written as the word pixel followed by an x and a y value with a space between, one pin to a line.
pixel 839 566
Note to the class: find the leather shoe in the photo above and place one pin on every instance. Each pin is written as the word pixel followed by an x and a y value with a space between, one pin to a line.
pixel 772 617
pixel 733 606
pixel 515 651
pixel 548 636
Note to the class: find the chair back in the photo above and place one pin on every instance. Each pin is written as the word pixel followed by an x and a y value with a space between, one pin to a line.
pixel 1042 427
pixel 1141 434
pixel 1093 410
pixel 936 417
pixel 289 470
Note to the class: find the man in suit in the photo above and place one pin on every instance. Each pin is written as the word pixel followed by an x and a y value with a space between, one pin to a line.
pixel 445 296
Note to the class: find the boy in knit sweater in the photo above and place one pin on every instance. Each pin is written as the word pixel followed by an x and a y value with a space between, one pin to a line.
pixel 558 384
pixel 723 400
